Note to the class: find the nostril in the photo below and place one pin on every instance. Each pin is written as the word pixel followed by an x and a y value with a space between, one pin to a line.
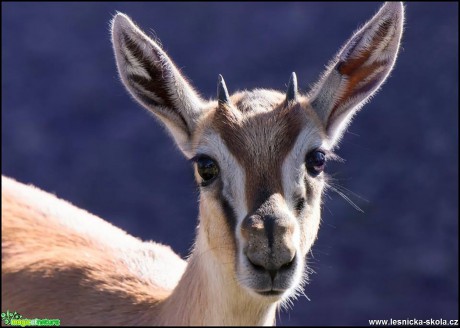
pixel 257 267
pixel 288 265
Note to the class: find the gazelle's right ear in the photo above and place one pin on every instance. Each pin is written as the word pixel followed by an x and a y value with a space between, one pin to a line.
pixel 154 81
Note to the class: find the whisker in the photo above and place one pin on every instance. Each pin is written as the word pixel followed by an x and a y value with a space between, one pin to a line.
pixel 356 207
pixel 342 188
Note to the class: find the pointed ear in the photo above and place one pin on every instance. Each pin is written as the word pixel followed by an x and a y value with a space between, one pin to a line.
pixel 358 70
pixel 154 81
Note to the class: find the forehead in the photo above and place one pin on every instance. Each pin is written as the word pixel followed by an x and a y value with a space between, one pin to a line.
pixel 259 124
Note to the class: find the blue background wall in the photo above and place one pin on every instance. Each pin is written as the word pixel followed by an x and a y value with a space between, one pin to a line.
pixel 69 127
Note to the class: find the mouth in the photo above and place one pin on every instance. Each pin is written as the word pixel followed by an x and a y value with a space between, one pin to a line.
pixel 270 284
pixel 270 292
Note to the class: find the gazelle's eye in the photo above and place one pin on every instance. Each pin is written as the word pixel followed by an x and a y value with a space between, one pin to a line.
pixel 207 169
pixel 315 162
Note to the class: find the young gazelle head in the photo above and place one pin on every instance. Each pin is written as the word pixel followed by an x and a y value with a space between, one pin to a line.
pixel 259 155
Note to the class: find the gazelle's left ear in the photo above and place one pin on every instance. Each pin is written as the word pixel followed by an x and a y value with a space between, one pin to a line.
pixel 359 69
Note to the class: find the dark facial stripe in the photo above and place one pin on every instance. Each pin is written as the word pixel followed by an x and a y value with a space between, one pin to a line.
pixel 229 213
pixel 308 190
pixel 299 204
pixel 227 209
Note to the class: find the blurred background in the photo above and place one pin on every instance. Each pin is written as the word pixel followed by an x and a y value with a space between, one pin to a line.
pixel 69 127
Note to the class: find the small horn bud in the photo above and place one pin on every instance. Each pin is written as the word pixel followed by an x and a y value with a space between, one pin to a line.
pixel 291 93
pixel 222 93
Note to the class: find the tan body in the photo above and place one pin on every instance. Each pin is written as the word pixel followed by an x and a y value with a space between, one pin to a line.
pixel 259 158
pixel 89 266
pixel 50 246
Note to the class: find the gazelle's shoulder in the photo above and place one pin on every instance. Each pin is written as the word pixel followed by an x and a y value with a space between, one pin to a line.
pixel 38 206
pixel 49 225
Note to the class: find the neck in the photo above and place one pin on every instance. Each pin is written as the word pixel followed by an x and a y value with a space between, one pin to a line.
pixel 208 294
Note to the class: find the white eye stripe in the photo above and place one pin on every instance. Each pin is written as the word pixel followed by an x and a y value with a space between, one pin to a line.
pixel 232 173
pixel 292 171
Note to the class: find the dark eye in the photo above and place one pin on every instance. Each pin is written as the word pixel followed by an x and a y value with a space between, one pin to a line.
pixel 207 169
pixel 315 161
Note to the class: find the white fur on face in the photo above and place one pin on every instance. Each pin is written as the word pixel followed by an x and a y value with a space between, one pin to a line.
pixel 231 173
pixel 293 167
pixel 294 176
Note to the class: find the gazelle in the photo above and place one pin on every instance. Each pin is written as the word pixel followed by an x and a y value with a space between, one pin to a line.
pixel 258 159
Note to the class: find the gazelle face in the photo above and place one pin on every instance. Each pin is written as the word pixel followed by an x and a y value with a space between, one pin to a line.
pixel 259 155
pixel 253 162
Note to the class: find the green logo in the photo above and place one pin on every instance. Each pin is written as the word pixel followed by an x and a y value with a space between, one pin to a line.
pixel 15 319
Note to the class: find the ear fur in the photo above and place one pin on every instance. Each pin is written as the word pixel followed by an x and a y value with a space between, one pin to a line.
pixel 154 81
pixel 358 70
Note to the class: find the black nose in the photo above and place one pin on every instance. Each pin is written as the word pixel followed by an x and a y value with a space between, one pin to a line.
pixel 272 267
